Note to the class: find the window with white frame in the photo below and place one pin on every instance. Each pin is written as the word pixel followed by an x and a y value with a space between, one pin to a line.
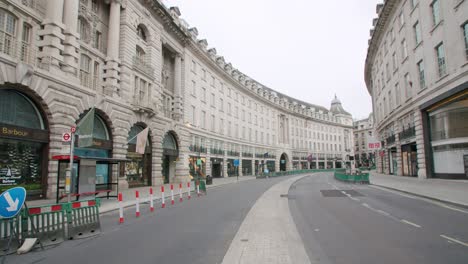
pixel 203 94
pixel 212 123
pixel 422 80
pixel 417 32
pixel 435 8
pixel 465 37
pixel 203 120
pixel 213 99
pixel 442 67
pixel 402 19
pixel 397 94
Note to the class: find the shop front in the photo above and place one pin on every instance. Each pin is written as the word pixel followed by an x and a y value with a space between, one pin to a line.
pixel 138 168
pixel 270 165
pixel 197 167
pixel 169 157
pixel 392 161
pixel 448 126
pixel 246 167
pixel 232 170
pixel 216 167
pixel 24 142
pixel 409 160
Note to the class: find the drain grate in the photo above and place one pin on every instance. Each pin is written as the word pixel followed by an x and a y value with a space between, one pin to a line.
pixel 332 193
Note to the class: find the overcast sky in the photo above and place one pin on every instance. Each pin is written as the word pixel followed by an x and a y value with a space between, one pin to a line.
pixel 307 49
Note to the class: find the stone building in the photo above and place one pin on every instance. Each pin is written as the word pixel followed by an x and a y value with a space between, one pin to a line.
pixel 416 72
pixel 363 131
pixel 141 66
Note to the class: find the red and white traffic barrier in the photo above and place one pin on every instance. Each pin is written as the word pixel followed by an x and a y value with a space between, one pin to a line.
pixel 137 203
pixel 198 188
pixel 83 204
pixel 48 209
pixel 180 192
pixel 188 190
pixel 151 200
pixel 163 203
pixel 172 194
pixel 121 217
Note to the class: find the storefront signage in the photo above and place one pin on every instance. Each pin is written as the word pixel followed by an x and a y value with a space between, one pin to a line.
pixel 15 132
pixel 97 143
pixel 9 176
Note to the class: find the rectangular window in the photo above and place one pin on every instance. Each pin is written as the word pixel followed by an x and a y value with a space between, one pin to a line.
pixel 417 32
pixel 97 40
pixel 194 120
pixel 407 86
pixel 441 60
pixel 203 94
pixel 194 67
pixel 465 36
pixel 221 105
pixel 194 88
pixel 397 94
pixel 212 123
pixel 435 7
pixel 95 6
pixel 203 120
pixel 213 99
pixel 422 80
pixel 203 74
pixel 394 61
pixel 229 109
pixel 213 81
pixel 221 126
pixel 413 3
pixel 404 49
pixel 392 35
pixel 402 19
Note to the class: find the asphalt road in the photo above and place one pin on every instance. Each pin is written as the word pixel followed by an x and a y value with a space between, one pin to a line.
pixel 370 225
pixel 195 231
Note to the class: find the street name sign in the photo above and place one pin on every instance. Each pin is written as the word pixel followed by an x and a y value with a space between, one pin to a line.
pixel 11 202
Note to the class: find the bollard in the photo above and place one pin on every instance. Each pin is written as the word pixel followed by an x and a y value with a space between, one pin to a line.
pixel 137 202
pixel 151 200
pixel 121 217
pixel 198 188
pixel 188 190
pixel 172 194
pixel 163 203
pixel 180 192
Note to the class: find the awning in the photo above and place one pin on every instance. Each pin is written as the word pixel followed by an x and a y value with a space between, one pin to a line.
pixel 98 159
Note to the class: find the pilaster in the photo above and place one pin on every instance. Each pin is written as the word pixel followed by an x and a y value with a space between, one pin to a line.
pixel 71 45
pixel 51 37
pixel 421 156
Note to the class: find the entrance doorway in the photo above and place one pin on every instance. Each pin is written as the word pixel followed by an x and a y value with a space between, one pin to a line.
pixel 283 162
pixel 216 168
pixel 169 158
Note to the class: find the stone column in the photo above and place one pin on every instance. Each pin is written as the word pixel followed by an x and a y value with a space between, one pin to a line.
pixel 240 166
pixel 112 67
pixel 51 36
pixel 71 45
pixel 253 165
pixel 421 155
pixel 208 158
pixel 225 175
pixel 177 87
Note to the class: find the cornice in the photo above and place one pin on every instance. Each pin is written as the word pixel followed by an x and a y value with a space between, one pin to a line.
pixel 376 38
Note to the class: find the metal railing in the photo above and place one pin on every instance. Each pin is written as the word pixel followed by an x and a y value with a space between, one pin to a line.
pixel 407 133
pixel 391 139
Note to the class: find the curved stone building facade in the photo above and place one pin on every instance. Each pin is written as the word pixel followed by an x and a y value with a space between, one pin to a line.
pixel 139 65
pixel 416 72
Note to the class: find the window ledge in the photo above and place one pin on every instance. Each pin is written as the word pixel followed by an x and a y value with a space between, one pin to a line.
pixel 466 63
pixel 414 8
pixel 422 89
pixel 404 60
pixel 441 22
pixel 442 77
pixel 418 45
pixel 457 5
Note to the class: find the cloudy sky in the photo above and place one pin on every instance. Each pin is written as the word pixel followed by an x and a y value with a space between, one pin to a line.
pixel 307 49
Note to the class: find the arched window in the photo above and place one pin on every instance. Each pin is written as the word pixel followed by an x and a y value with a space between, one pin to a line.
pixel 169 142
pixel 100 129
pixel 140 54
pixel 18 110
pixel 141 32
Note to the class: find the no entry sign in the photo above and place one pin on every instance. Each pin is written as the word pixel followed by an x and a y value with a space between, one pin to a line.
pixel 66 137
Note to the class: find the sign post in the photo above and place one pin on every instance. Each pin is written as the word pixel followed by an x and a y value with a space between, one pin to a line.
pixel 236 164
pixel 68 173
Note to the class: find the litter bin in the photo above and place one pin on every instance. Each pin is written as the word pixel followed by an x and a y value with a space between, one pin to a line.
pixel 209 180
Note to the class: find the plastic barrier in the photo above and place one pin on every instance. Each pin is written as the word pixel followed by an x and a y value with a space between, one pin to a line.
pixel 8 227
pixel 353 178
pixel 83 219
pixel 49 222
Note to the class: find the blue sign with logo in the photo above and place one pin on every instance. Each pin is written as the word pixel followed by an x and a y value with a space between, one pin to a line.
pixel 11 202
pixel 236 163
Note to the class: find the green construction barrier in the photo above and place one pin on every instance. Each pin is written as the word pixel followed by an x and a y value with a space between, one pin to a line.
pixel 83 219
pixel 49 221
pixel 8 229
pixel 353 178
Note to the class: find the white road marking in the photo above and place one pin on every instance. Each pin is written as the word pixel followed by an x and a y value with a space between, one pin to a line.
pixel 355 199
pixel 316 230
pixel 365 205
pixel 421 198
pixel 383 212
pixel 410 223
pixel 455 240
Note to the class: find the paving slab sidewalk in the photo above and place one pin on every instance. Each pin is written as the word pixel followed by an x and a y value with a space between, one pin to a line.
pixel 111 204
pixel 451 191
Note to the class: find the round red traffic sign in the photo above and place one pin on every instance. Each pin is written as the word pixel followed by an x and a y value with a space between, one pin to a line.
pixel 66 137
pixel 73 129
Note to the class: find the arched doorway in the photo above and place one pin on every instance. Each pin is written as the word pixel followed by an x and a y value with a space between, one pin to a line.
pixel 170 154
pixel 138 169
pixel 24 141
pixel 283 162
pixel 101 148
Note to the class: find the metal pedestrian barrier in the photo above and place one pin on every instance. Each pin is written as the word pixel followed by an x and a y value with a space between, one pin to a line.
pixel 9 228
pixel 83 219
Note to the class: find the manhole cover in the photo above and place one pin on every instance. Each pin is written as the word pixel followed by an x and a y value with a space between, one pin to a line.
pixel 332 193
pixel 353 193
